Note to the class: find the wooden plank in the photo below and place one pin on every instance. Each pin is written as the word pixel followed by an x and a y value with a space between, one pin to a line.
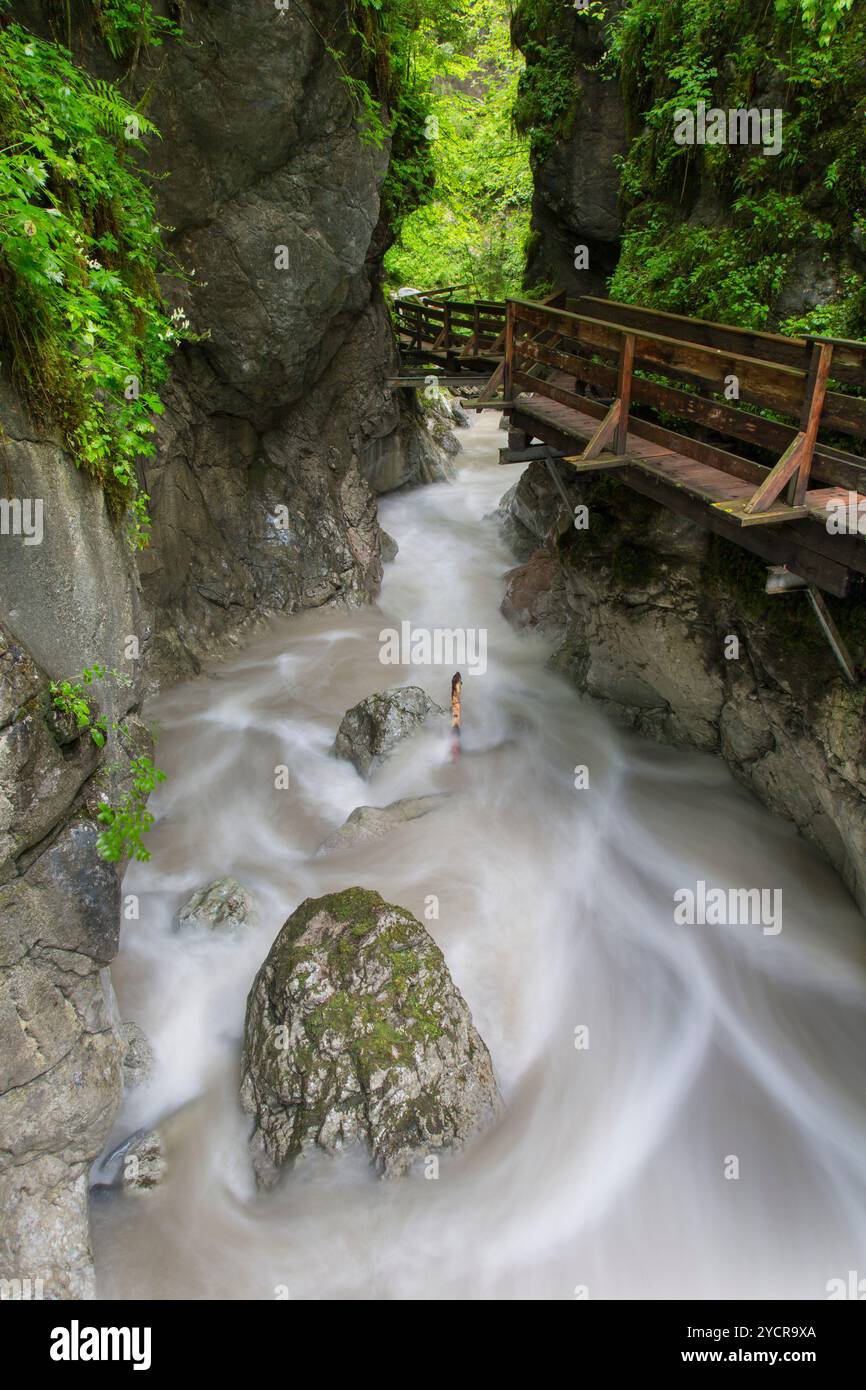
pixel 580 463
pixel 441 379
pixel 771 515
pixel 776 546
pixel 777 477
pixel 607 430
pixel 510 324
pixel 497 379
pixel 623 390
pixel 714 484
pixel 658 434
pixel 775 386
pixel 813 405
pixel 834 466
pixel 706 363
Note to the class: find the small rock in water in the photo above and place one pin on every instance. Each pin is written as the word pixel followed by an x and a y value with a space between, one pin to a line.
pixel 142 1162
pixel 375 822
pixel 372 728
pixel 356 1034
pixel 223 906
pixel 139 1060
pixel 388 546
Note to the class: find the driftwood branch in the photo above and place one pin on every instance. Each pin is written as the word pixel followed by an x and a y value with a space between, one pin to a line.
pixel 456 689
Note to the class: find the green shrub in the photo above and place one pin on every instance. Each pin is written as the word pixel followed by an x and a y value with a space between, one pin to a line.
pixel 125 824
pixel 84 325
pixel 732 262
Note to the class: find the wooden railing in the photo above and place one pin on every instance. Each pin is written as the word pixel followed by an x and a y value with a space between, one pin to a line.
pixel 450 328
pixel 622 351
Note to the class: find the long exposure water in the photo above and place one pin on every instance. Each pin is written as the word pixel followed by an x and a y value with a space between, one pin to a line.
pixel 611 1173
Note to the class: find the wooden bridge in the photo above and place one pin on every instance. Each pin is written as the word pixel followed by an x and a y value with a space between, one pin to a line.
pixel 746 433
pixel 460 337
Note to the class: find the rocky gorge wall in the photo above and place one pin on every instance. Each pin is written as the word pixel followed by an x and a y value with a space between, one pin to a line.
pixel 719 230
pixel 260 501
pixel 642 602
pixel 642 606
pixel 576 122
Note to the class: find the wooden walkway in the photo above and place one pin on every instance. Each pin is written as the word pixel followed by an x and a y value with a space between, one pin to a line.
pixel 666 403
pixel 744 432
pixel 451 335
pixel 703 493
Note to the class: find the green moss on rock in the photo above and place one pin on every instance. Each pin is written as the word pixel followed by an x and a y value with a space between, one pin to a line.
pixel 355 1033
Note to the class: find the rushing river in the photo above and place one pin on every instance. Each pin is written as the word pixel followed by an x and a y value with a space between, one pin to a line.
pixel 612 1168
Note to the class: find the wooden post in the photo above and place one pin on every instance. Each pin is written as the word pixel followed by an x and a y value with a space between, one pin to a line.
pixel 623 392
pixel 810 419
pixel 508 360
pixel 446 329
pixel 795 464
pixel 476 336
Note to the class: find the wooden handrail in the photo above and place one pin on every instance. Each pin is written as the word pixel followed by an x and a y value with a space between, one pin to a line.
pixel 645 336
pixel 541 334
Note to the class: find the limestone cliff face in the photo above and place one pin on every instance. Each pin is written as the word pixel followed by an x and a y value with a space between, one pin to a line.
pixel 276 409
pixel 259 492
pixel 259 502
pixel 642 605
pixel 576 182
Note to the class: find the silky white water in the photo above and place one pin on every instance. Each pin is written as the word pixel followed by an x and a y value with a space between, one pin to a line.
pixel 611 1174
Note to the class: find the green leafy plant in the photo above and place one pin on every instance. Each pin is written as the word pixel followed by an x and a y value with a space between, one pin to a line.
pixel 466 217
pixel 548 95
pixel 68 697
pixel 125 824
pixel 82 319
pixel 721 231
pixel 131 25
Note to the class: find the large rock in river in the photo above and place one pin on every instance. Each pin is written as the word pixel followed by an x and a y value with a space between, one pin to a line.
pixel 356 1033
pixel 372 728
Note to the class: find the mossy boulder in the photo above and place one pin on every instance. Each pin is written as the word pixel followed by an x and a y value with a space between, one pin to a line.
pixel 356 1035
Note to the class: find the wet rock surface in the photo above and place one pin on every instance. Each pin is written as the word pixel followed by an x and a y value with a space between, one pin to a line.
pixel 641 606
pixel 373 728
pixel 223 906
pixel 61 1038
pixel 376 822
